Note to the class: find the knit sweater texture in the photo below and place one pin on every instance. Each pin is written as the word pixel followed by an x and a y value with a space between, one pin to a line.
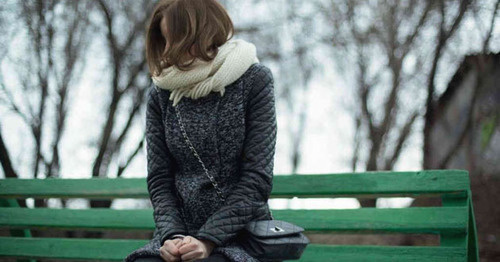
pixel 235 136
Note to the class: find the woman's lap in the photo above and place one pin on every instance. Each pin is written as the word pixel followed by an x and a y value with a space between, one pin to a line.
pixel 211 258
pixel 149 259
pixel 215 258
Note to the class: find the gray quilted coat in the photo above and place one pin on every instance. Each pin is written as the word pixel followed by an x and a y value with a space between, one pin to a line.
pixel 235 136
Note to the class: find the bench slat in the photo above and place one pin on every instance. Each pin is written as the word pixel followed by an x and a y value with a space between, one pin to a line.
pixel 416 219
pixel 74 188
pixel 68 248
pixel 376 183
pixel 321 252
pixel 117 249
pixel 315 185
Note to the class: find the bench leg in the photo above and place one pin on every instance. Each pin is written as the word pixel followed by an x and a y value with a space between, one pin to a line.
pixel 468 241
pixel 16 233
pixel 473 251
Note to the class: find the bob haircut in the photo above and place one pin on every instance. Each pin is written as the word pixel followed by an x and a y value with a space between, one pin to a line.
pixel 194 27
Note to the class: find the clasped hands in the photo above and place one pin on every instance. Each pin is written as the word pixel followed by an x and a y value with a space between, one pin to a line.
pixel 186 249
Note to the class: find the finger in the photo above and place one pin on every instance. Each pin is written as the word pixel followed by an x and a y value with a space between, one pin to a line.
pixel 178 242
pixel 172 248
pixel 187 248
pixel 195 254
pixel 167 256
pixel 187 240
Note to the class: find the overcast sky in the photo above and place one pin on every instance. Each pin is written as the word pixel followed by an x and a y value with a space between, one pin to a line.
pixel 327 147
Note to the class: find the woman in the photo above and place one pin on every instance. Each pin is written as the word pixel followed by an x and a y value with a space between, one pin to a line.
pixel 225 99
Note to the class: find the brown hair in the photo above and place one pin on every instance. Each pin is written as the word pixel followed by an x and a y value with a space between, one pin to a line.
pixel 194 27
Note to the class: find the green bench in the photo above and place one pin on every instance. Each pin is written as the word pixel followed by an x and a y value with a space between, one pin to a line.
pixel 453 221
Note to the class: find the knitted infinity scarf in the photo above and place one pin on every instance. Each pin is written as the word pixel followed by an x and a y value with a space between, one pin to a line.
pixel 233 59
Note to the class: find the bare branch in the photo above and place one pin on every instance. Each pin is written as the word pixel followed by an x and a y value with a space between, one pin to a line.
pixel 443 36
pixel 403 136
pixel 492 25
pixel 421 21
pixel 123 167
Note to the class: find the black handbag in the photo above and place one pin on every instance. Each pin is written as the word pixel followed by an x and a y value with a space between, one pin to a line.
pixel 273 240
pixel 266 240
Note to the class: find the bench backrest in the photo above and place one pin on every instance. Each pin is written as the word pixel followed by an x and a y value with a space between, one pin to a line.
pixel 453 221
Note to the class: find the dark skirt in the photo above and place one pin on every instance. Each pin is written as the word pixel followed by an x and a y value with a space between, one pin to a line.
pixel 211 258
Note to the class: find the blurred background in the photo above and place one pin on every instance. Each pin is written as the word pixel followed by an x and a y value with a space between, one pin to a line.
pixel 360 86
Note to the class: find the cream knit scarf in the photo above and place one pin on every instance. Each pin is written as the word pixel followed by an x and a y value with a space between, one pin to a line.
pixel 233 59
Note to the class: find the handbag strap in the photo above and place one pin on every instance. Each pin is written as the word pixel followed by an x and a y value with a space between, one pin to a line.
pixel 186 138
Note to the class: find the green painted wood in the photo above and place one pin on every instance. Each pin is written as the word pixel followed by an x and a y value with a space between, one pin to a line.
pixel 313 185
pixel 117 249
pixel 473 248
pixel 12 204
pixel 6 202
pixel 453 239
pixel 74 188
pixel 451 220
pixel 95 218
pixel 320 252
pixel 373 184
pixel 68 248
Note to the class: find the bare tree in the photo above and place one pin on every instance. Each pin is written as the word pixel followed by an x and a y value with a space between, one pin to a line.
pixel 446 31
pixel 303 63
pixel 127 64
pixel 466 145
pixel 489 32
pixel 287 41
pixel 5 38
pixel 377 48
pixel 481 76
pixel 55 44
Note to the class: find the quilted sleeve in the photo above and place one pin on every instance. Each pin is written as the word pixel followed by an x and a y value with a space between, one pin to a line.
pixel 160 178
pixel 248 198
